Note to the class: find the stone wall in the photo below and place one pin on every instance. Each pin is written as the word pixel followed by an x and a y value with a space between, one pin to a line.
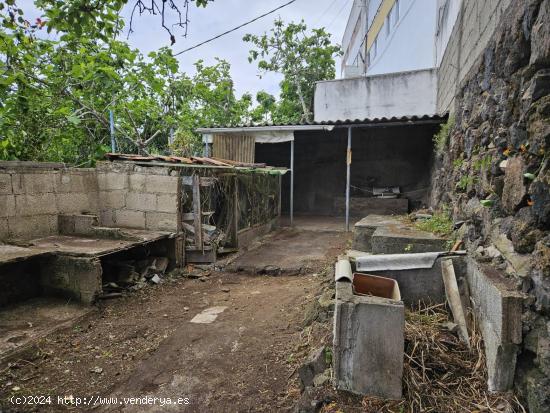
pixel 133 196
pixel 473 28
pixel 32 195
pixel 494 170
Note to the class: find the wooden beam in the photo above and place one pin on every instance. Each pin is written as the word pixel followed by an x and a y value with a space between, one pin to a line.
pixel 453 298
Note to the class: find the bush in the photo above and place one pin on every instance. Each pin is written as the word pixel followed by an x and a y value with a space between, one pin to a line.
pixel 441 138
pixel 440 223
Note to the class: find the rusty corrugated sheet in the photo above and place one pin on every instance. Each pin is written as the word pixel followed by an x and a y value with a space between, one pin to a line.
pixel 238 148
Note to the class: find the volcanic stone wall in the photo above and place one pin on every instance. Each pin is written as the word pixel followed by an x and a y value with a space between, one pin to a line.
pixel 494 173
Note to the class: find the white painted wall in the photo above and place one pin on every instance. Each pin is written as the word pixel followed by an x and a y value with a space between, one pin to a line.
pixel 446 17
pixel 388 95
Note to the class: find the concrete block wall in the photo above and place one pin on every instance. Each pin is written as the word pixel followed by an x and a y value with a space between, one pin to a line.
pixel 474 26
pixel 32 195
pixel 133 196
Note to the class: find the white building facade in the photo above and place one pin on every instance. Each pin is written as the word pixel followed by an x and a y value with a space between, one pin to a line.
pixel 386 36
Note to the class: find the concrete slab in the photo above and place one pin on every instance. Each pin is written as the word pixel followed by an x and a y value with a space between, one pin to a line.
pixel 24 323
pixel 498 307
pixel 288 252
pixel 368 343
pixel 392 234
pixel 208 316
pixel 395 240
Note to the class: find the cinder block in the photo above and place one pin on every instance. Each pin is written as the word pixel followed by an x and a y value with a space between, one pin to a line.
pixel 38 183
pixel 5 183
pixel 77 224
pixel 141 201
pixel 74 202
pixel 127 218
pixel 31 227
pixel 4 231
pixel 107 218
pixel 137 182
pixel 84 181
pixel 368 343
pixel 161 184
pixel 35 204
pixel 110 181
pixel 7 205
pixel 167 203
pixel 161 221
pixel 112 199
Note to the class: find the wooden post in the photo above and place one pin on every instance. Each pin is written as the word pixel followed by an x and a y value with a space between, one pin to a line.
pixel 197 212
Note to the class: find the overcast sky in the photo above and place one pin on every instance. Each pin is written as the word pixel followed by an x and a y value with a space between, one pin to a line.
pixel 222 15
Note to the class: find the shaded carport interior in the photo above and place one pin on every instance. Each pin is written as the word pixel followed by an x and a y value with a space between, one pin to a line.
pixel 384 152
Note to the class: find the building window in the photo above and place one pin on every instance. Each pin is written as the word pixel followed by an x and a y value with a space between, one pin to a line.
pixel 396 12
pixel 374 49
pixel 388 24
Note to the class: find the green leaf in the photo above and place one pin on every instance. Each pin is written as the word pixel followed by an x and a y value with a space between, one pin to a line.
pixel 529 176
pixel 487 202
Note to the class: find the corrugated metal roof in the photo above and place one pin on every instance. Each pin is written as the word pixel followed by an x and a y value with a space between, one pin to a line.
pixel 329 124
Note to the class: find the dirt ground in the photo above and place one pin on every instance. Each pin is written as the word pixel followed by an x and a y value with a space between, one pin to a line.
pixel 145 345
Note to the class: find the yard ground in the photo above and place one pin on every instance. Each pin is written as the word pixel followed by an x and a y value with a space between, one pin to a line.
pixel 145 345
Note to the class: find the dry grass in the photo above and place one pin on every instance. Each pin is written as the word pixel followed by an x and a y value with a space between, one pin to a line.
pixel 440 373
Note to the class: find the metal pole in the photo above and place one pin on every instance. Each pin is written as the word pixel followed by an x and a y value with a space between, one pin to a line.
pixel 291 182
pixel 348 175
pixel 112 124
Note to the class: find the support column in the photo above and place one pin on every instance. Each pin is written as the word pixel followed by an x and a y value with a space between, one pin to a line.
pixel 348 176
pixel 291 182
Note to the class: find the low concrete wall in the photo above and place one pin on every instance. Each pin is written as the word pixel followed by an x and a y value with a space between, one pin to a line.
pixel 498 307
pixel 393 94
pixel 133 196
pixel 32 195
pixel 368 343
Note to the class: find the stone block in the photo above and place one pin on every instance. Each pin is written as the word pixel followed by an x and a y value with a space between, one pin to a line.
pixel 161 221
pixel 127 218
pixel 5 183
pixel 112 199
pixel 498 307
pixel 161 184
pixel 111 181
pixel 314 365
pixel 74 202
pixel 72 277
pixel 368 343
pixel 514 190
pixel 167 203
pixel 140 201
pixel 35 204
pixel 7 205
pixel 32 226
